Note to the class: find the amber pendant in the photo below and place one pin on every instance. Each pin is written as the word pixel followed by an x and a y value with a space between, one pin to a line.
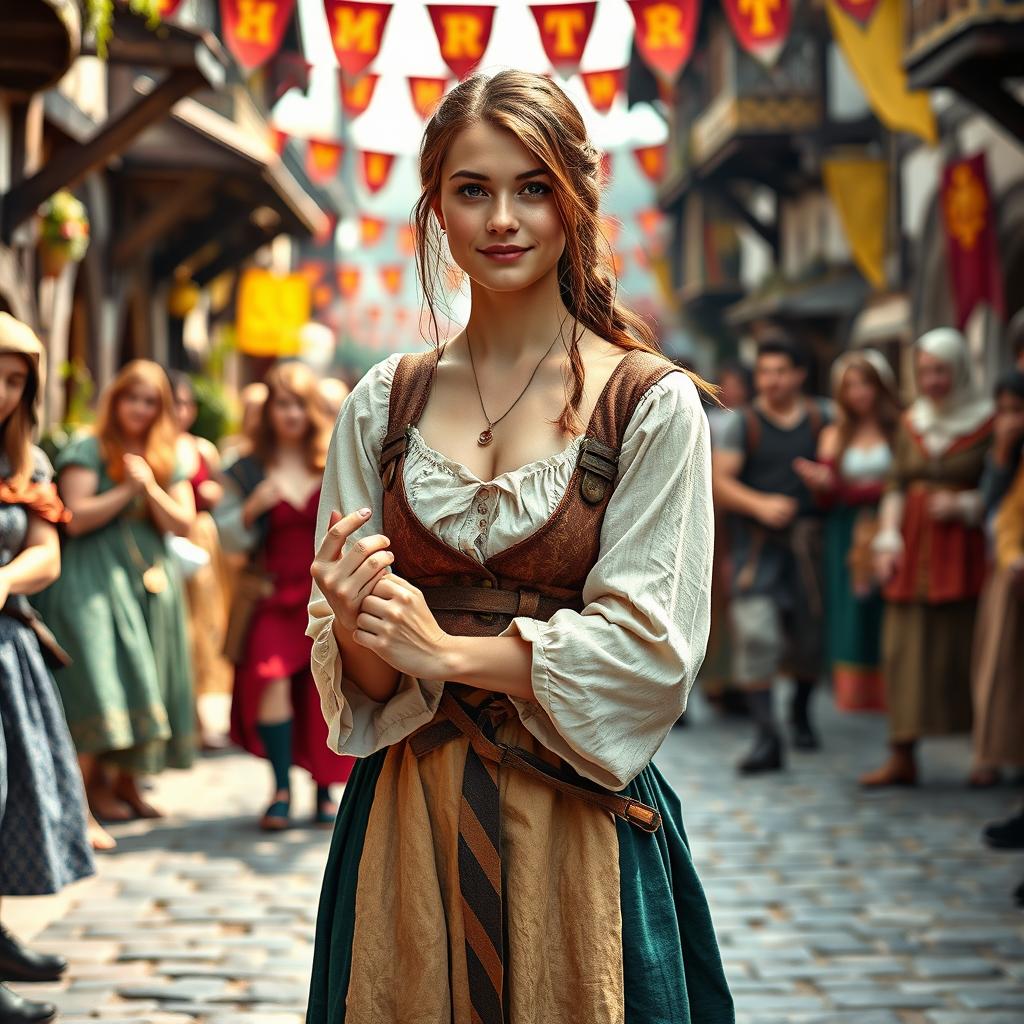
pixel 485 438
pixel 154 579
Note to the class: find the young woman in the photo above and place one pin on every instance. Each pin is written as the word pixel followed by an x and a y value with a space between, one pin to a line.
pixel 207 588
pixel 854 459
pixel 43 843
pixel 539 488
pixel 269 511
pixel 119 606
pixel 930 554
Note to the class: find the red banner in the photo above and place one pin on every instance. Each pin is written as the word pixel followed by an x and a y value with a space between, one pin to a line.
pixel 971 237
pixel 253 29
pixel 391 277
pixel 356 33
pixel 859 10
pixel 371 230
pixel 278 140
pixel 348 281
pixel 761 27
pixel 426 94
pixel 463 32
pixel 406 240
pixel 564 31
pixel 323 159
pixel 652 161
pixel 166 8
pixel 357 93
pixel 376 169
pixel 650 221
pixel 603 86
pixel 666 31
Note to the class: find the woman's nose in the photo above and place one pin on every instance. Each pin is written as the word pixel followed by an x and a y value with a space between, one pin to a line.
pixel 502 215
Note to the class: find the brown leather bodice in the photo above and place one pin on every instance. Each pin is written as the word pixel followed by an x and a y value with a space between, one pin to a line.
pixel 545 570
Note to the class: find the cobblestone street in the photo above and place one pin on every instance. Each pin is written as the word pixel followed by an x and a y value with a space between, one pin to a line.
pixel 831 906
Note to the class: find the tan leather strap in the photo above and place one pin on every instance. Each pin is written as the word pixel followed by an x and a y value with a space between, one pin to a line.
pixel 493 601
pixel 457 720
pixel 410 390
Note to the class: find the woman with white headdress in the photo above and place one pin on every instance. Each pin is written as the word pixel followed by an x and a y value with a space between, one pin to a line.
pixel 930 553
pixel 854 459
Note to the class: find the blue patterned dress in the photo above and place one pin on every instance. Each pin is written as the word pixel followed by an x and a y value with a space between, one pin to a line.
pixel 43 844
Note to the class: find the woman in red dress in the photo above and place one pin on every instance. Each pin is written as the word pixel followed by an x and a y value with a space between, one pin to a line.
pixel 269 511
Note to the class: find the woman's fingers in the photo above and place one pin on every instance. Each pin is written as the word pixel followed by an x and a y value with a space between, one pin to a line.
pixel 339 531
pixel 367 573
pixel 357 552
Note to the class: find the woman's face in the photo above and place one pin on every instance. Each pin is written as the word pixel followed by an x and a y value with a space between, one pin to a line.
pixel 1010 412
pixel 184 408
pixel 934 377
pixel 288 418
pixel 497 206
pixel 859 392
pixel 13 379
pixel 137 409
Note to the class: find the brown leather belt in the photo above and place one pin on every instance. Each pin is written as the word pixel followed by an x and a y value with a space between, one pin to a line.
pixel 493 601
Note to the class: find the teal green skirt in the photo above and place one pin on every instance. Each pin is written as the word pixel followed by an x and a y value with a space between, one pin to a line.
pixel 671 964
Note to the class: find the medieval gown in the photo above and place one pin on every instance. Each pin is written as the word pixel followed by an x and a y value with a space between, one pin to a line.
pixel 603 923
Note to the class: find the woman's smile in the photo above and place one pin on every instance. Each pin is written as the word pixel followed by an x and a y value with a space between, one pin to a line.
pixel 505 253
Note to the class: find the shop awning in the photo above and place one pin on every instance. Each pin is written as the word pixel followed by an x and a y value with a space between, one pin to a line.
pixel 840 295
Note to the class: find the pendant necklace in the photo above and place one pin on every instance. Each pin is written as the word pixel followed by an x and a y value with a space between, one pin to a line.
pixel 486 436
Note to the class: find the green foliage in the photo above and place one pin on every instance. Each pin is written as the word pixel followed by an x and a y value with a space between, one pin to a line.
pixel 101 18
pixel 64 223
pixel 214 410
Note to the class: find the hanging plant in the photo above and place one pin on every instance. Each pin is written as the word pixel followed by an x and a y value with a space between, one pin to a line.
pixel 63 232
pixel 101 18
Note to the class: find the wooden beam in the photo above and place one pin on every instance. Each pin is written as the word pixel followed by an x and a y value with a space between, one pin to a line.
pixel 229 216
pixel 994 99
pixel 740 210
pixel 73 162
pixel 162 215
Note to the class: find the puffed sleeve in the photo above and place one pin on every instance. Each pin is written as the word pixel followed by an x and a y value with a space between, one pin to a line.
pixel 235 537
pixel 610 680
pixel 356 724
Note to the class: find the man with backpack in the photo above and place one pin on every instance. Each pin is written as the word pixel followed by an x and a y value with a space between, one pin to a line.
pixel 776 610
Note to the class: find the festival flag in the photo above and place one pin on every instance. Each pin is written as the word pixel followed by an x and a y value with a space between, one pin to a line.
pixel 391 277
pixel 603 86
pixel 326 233
pixel 371 230
pixel 376 169
pixel 564 31
pixel 253 29
pixel 278 140
pixel 874 51
pixel 861 10
pixel 323 159
pixel 463 32
pixel 356 93
pixel 406 240
pixel 761 27
pixel 650 221
pixel 357 30
pixel 348 281
pixel 652 161
pixel 426 94
pixel 859 190
pixel 166 8
pixel 271 311
pixel 666 31
pixel 971 245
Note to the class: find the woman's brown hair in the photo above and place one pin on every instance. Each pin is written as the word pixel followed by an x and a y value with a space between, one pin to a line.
pixel 19 428
pixel 161 440
pixel 887 406
pixel 547 123
pixel 299 380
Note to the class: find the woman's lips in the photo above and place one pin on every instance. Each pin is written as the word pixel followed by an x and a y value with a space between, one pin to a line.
pixel 506 256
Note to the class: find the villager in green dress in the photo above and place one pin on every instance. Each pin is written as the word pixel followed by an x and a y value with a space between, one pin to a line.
pixel 128 692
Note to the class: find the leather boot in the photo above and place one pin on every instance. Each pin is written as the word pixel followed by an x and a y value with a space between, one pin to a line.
pixel 15 1010
pixel 20 964
pixel 803 735
pixel 899 770
pixel 1005 835
pixel 764 756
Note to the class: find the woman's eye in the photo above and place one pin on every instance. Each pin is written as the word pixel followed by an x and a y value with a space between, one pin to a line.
pixel 465 190
pixel 540 189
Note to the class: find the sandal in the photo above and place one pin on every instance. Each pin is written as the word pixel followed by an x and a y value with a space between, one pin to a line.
pixel 276 817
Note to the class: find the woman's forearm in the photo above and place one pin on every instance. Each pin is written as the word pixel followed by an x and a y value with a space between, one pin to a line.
pixel 374 676
pixel 169 515
pixel 501 664
pixel 95 511
pixel 37 565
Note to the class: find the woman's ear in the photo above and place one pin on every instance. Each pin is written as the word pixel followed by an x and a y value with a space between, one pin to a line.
pixel 436 207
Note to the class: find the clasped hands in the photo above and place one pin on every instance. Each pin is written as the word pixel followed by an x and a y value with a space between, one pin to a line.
pixel 383 612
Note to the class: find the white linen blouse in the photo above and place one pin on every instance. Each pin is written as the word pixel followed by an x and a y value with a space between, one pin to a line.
pixel 609 680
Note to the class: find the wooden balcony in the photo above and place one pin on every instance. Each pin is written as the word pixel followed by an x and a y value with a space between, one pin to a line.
pixel 39 40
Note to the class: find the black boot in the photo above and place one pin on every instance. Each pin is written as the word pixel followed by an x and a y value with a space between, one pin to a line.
pixel 804 736
pixel 20 964
pixel 766 753
pixel 1006 835
pixel 15 1010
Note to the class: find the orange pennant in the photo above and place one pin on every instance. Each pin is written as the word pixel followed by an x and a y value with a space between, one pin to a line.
pixel 165 8
pixel 253 29
pixel 564 31
pixel 357 30
pixel 357 93
pixel 650 221
pixel 603 86
pixel 406 240
pixel 391 278
pixel 610 228
pixel 463 32
pixel 371 229
pixel 278 140
pixel 426 94
pixel 327 233
pixel 376 169
pixel 323 159
pixel 666 31
pixel 348 281
pixel 652 161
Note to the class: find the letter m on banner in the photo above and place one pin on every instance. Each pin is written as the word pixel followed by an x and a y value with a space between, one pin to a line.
pixel 357 31
pixel 666 31
pixel 463 32
pixel 253 29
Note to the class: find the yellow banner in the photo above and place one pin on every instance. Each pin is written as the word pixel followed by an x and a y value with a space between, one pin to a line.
pixel 875 53
pixel 859 188
pixel 271 311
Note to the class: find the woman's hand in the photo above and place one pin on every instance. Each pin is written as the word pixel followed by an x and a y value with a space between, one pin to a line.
pixel 139 473
pixel 943 506
pixel 887 564
pixel 265 495
pixel 347 573
pixel 396 624
pixel 211 492
pixel 5 587
pixel 816 476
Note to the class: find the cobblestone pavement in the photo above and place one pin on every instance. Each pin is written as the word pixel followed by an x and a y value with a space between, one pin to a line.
pixel 831 906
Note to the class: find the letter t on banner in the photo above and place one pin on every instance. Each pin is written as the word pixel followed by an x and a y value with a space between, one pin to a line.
pixel 564 31
pixel 463 32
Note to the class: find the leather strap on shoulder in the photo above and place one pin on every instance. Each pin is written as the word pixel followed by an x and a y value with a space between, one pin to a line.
pixel 410 390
